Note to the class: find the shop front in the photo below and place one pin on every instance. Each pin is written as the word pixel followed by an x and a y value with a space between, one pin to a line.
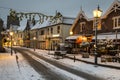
pixel 79 43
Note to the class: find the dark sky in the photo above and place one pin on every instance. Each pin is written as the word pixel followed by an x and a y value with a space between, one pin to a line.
pixel 69 8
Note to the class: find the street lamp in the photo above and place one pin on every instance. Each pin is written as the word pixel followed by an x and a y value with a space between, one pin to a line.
pixel 34 38
pixel 97 14
pixel 48 45
pixel 11 34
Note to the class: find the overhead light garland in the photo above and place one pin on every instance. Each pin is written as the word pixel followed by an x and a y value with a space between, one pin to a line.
pixel 32 15
pixel 28 15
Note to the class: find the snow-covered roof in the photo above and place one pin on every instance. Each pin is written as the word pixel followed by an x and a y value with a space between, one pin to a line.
pixel 36 26
pixel 14 27
pixel 74 37
pixel 45 23
pixel 22 25
pixel 50 22
pixel 108 36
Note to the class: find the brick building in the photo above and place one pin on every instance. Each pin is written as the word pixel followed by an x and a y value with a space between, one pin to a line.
pixel 108 28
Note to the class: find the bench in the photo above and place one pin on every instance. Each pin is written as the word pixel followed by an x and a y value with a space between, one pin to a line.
pixel 85 55
pixel 59 54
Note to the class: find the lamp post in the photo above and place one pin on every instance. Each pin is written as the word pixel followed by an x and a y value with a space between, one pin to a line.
pixel 11 34
pixel 97 14
pixel 34 38
pixel 48 45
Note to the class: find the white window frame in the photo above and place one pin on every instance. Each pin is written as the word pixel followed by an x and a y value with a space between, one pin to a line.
pixel 116 22
pixel 81 26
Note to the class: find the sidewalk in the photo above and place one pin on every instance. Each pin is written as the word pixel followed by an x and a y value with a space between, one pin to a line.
pixel 90 60
pixel 10 69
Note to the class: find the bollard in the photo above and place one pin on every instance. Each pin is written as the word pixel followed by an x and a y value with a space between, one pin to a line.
pixel 74 58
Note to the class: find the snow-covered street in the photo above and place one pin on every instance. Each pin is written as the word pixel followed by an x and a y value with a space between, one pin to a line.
pixel 107 73
pixel 10 70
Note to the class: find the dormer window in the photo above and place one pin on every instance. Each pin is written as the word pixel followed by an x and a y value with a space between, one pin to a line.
pixel 82 26
pixel 116 22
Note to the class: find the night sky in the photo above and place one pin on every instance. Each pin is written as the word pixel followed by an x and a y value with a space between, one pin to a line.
pixel 69 8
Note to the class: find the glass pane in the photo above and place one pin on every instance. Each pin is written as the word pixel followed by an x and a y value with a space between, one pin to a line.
pixel 119 22
pixel 115 22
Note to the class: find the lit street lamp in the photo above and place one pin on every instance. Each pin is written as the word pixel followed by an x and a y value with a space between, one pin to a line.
pixel 11 34
pixel 97 14
pixel 34 38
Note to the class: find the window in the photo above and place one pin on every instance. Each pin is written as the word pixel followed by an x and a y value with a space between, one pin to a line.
pixel 116 22
pixel 82 26
pixel 39 32
pixel 36 33
pixel 58 29
pixel 119 22
pixel 48 31
pixel 51 30
pixel 21 36
pixel 97 24
pixel 42 32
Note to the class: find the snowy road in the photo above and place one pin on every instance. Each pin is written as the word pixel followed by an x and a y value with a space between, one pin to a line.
pixel 42 69
pixel 51 70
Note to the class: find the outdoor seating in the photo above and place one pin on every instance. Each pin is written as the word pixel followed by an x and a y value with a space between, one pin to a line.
pixel 103 59
pixel 108 58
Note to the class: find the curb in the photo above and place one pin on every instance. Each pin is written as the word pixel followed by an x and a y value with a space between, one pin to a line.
pixel 108 66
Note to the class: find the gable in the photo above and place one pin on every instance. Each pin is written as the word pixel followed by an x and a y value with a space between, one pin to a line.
pixel 79 17
pixel 113 8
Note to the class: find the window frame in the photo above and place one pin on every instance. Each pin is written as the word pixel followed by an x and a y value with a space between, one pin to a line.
pixel 116 22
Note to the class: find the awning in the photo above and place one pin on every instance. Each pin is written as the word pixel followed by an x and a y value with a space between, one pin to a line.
pixel 107 36
pixel 76 39
pixel 73 37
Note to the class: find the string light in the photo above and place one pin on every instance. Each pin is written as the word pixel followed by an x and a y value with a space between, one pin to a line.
pixel 27 14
